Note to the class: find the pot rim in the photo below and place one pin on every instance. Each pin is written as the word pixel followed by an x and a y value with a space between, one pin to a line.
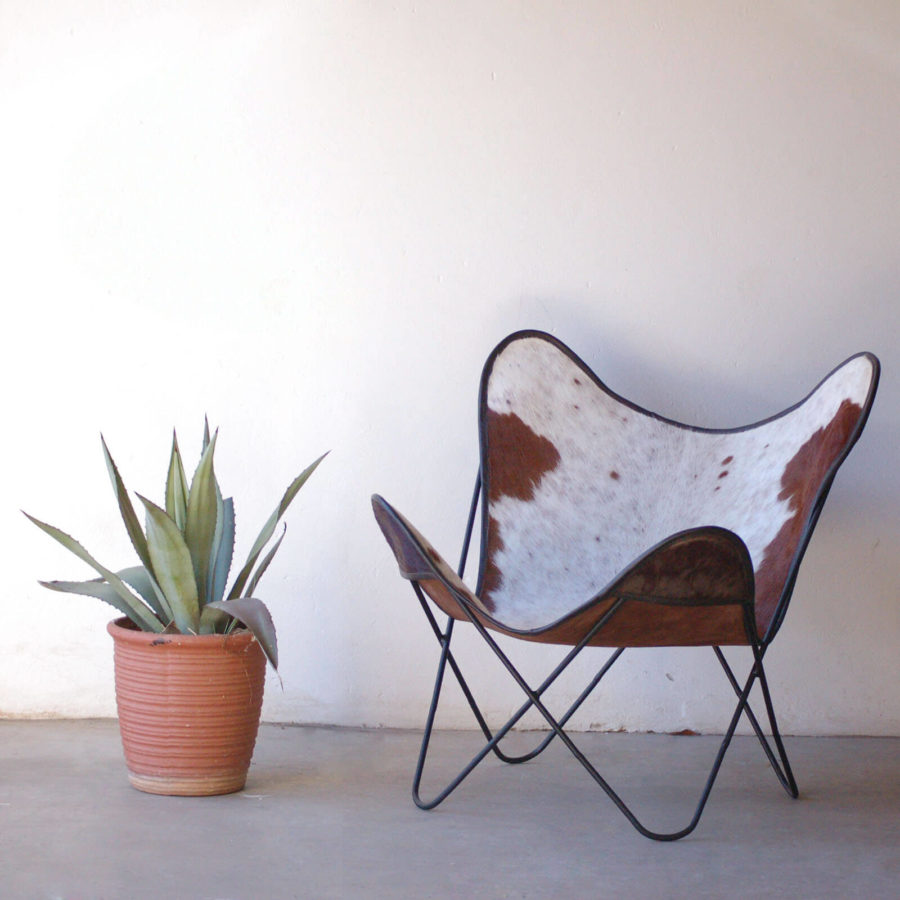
pixel 124 630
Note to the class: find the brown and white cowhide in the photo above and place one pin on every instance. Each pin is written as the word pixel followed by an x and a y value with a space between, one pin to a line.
pixel 579 483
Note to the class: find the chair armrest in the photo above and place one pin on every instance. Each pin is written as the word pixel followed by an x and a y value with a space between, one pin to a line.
pixel 707 566
pixel 694 588
pixel 420 562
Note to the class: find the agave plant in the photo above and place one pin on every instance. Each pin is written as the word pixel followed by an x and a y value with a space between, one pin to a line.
pixel 185 551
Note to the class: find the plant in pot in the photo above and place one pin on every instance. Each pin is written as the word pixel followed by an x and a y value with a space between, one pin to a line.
pixel 190 653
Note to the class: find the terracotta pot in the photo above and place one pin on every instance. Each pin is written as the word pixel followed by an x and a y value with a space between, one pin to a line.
pixel 189 708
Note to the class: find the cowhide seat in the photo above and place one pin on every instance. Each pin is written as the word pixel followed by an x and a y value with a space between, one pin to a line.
pixel 604 524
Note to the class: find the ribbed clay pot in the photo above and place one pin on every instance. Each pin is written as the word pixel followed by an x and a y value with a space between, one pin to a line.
pixel 189 708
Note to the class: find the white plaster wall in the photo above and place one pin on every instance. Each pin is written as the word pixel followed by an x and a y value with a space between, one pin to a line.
pixel 312 221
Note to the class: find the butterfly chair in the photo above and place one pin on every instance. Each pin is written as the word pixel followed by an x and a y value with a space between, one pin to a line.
pixel 603 524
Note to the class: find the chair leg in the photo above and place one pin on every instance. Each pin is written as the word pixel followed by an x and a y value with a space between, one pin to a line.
pixel 493 739
pixel 570 711
pixel 448 658
pixel 556 725
pixel 783 770
pixel 534 698
pixel 788 781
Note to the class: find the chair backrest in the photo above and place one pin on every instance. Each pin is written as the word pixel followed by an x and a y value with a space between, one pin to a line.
pixel 578 482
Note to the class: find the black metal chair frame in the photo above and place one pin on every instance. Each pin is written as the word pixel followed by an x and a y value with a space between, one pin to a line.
pixel 780 765
pixel 420 563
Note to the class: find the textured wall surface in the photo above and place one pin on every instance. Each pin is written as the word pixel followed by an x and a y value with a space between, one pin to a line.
pixel 313 221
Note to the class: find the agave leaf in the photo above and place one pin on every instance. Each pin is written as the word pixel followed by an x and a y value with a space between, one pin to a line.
pixel 173 567
pixel 132 525
pixel 176 486
pixel 255 615
pixel 145 617
pixel 205 432
pixel 214 621
pixel 97 587
pixel 139 578
pixel 269 528
pixel 216 543
pixel 200 525
pixel 223 549
pixel 261 568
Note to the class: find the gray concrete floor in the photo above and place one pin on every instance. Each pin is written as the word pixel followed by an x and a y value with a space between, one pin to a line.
pixel 327 814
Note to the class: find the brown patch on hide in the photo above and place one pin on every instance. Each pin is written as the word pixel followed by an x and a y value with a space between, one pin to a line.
pixel 493 577
pixel 517 457
pixel 723 474
pixel 517 460
pixel 800 485
pixel 696 566
pixel 727 460
pixel 614 475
